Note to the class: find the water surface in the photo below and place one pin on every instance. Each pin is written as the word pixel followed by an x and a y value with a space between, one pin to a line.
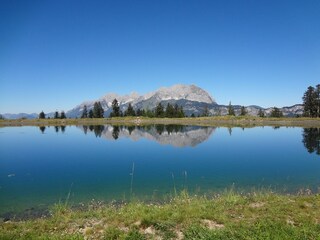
pixel 40 166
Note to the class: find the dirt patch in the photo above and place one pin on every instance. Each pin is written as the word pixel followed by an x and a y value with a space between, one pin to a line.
pixel 257 205
pixel 212 224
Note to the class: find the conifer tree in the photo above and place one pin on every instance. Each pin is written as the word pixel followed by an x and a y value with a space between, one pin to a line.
pixel 90 115
pixel 231 110
pixel 181 112
pixel 63 115
pixel 243 111
pixel 101 110
pixel 98 110
pixel 276 113
pixel 261 113
pixel 139 112
pixel 84 112
pixel 310 102
pixel 130 111
pixel 159 112
pixel 115 109
pixel 317 101
pixel 56 115
pixel 170 111
pixel 42 115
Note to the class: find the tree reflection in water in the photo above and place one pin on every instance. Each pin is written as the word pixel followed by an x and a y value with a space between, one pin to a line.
pixel 311 139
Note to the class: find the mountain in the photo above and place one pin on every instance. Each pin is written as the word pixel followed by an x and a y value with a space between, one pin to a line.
pixel 192 98
pixel 291 111
pixel 20 115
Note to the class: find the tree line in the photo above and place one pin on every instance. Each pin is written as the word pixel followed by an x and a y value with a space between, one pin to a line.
pixel 57 115
pixel 311 108
pixel 275 112
pixel 96 112
pixel 170 111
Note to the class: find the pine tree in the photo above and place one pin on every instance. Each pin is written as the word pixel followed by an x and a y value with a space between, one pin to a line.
pixel 139 112
pixel 84 112
pixel 101 110
pixel 149 113
pixel 63 115
pixel 310 102
pixel 56 115
pixel 42 115
pixel 170 111
pixel 96 110
pixel 115 109
pixel 231 110
pixel 261 113
pixel 243 111
pixel 159 111
pixel 317 96
pixel 130 111
pixel 181 112
pixel 276 113
pixel 90 115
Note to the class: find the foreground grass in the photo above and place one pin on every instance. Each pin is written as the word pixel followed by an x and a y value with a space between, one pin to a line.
pixel 227 216
pixel 228 121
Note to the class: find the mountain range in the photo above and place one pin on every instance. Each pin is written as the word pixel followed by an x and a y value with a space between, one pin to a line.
pixel 192 98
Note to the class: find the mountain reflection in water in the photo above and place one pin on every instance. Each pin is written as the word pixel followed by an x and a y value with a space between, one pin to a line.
pixel 175 135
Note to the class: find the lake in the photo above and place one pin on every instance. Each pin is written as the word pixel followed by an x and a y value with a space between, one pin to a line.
pixel 42 166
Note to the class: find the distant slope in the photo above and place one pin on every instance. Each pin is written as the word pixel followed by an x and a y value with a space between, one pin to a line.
pixel 190 97
pixel 19 115
pixel 193 99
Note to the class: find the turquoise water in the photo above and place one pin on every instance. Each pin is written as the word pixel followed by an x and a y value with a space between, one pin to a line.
pixel 39 167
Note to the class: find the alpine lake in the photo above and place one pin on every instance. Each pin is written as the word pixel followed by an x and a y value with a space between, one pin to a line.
pixel 40 166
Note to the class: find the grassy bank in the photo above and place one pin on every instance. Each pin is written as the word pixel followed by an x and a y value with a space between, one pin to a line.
pixel 228 121
pixel 230 215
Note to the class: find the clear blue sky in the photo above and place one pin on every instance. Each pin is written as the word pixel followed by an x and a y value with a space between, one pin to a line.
pixel 56 54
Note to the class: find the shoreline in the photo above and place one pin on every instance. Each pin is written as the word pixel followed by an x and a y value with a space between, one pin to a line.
pixel 201 121
pixel 223 216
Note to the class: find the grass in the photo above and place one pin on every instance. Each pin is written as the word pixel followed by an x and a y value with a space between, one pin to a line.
pixel 230 215
pixel 228 121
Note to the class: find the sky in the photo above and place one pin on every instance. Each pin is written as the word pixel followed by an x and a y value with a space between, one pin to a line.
pixel 56 54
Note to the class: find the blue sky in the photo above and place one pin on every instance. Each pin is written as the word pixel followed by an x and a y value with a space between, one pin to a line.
pixel 56 54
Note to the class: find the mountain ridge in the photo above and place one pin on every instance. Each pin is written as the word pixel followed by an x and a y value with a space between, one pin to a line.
pixel 192 98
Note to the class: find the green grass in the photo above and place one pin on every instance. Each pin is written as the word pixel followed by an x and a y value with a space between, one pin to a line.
pixel 263 215
pixel 228 121
pixel 218 121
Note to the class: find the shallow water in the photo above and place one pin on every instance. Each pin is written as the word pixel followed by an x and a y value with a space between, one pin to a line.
pixel 41 166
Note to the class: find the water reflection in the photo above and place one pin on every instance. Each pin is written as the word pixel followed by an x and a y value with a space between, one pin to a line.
pixel 311 139
pixel 175 135
pixel 115 132
pixel 42 129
